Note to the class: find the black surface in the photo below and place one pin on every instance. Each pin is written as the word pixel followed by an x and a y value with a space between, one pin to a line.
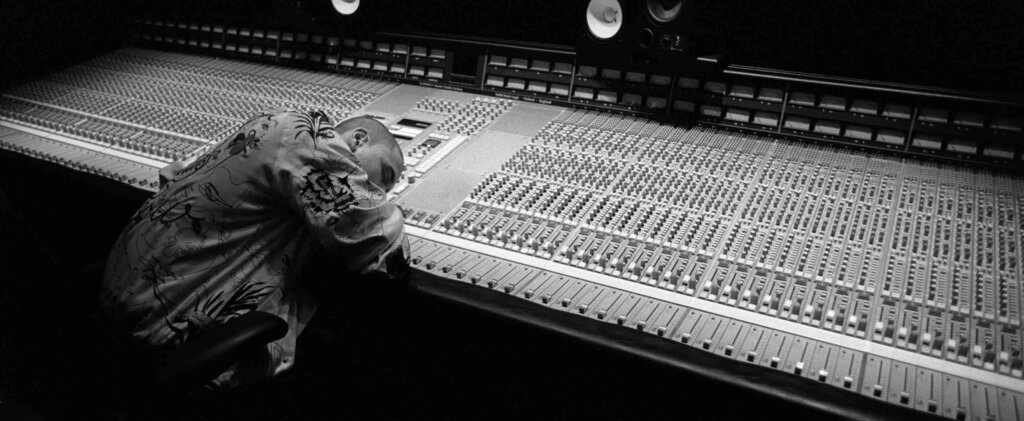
pixel 374 351
pixel 943 43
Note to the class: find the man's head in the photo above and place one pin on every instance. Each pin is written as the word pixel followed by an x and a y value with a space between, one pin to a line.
pixel 376 150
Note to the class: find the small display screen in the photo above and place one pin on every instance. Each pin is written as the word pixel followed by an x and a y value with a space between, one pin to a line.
pixel 430 143
pixel 408 122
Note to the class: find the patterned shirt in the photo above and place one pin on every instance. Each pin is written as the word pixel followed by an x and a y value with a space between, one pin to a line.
pixel 230 232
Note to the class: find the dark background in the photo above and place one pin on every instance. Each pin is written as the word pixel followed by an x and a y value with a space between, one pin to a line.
pixel 950 44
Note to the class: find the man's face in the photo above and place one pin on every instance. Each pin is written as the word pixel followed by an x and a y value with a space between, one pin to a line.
pixel 383 165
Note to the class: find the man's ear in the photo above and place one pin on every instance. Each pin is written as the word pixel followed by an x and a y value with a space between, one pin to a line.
pixel 360 137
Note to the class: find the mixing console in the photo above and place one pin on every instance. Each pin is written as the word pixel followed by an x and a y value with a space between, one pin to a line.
pixel 891 277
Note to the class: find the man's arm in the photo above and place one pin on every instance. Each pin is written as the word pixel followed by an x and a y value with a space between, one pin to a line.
pixel 351 217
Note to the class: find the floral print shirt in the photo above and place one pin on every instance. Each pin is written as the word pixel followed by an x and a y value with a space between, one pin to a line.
pixel 229 232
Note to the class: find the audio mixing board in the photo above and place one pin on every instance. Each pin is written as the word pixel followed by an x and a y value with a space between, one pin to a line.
pixel 886 276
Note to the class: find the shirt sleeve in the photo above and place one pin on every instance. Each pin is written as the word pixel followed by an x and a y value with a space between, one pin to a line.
pixel 318 177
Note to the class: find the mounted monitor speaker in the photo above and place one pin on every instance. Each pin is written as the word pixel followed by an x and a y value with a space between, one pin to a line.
pixel 655 33
pixel 604 19
pixel 345 7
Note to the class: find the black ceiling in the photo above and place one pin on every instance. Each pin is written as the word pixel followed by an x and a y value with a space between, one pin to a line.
pixel 952 44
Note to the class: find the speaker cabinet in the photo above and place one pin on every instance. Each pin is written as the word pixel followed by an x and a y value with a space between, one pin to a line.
pixel 629 33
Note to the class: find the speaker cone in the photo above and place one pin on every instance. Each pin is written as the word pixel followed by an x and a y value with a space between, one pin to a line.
pixel 345 7
pixel 604 18
pixel 664 11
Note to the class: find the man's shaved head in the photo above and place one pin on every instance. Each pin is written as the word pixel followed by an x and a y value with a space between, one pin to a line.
pixel 375 148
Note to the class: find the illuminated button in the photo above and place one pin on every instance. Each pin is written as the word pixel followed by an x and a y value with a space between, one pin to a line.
pixel 711 111
pixel 540 65
pixel 400 49
pixel 348 62
pixel 864 107
pixel 586 71
pixel 656 103
pixel 437 53
pixel 397 68
pixel 417 70
pixel 802 98
pixel 516 83
pixel 380 65
pixel 827 127
pixel 493 80
pixel 636 77
pixel 363 45
pixel 435 72
pixel 501 61
pixel 797 123
pixel 688 83
pixel 858 132
pixel 607 96
pixel 896 111
pixel 538 86
pixel 969 120
pixel 383 47
pixel 518 63
pixel 563 68
pixel 661 80
pixel 962 146
pixel 559 89
pixel 1007 124
pixel 714 87
pixel 361 64
pixel 583 93
pixel 891 137
pixel 927 141
pixel 734 114
pixel 231 47
pixel 630 99
pixel 766 119
pixel 742 91
pixel 419 51
pixel 833 102
pixel 611 74
pixel 933 115
pixel 999 150
pixel 769 93
pixel 684 106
